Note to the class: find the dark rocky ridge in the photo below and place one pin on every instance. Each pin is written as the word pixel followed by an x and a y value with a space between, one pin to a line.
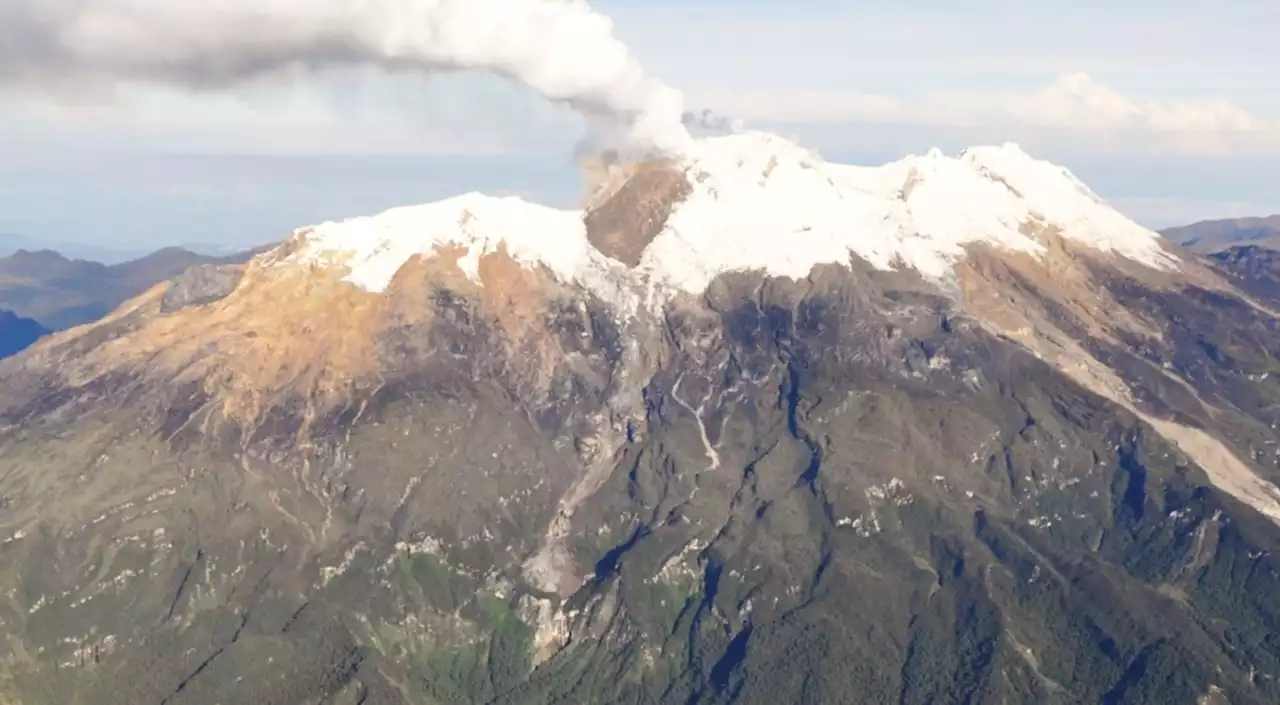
pixel 17 334
pixel 1255 270
pixel 841 489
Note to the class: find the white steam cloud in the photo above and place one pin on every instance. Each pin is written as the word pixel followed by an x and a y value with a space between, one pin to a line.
pixel 561 48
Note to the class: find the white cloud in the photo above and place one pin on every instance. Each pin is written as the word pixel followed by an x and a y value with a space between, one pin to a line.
pixel 1075 103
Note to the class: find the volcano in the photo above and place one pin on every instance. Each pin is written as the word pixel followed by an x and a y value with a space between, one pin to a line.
pixel 749 427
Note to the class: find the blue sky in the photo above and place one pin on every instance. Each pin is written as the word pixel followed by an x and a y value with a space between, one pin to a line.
pixel 1169 109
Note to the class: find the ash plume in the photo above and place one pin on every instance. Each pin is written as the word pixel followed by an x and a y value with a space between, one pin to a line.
pixel 710 121
pixel 563 49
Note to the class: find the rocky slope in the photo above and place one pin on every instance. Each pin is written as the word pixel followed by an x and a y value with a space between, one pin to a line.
pixel 751 427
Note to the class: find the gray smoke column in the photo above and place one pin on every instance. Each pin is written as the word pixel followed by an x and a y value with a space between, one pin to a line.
pixel 711 121
pixel 561 48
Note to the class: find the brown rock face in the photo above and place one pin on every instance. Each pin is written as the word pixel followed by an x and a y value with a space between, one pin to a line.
pixel 293 348
pixel 632 207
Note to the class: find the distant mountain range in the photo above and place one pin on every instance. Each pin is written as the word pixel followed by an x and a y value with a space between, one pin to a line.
pixel 1218 235
pixel 10 243
pixel 62 293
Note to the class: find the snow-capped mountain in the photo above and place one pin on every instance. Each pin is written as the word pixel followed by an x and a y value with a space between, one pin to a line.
pixel 749 427
pixel 757 202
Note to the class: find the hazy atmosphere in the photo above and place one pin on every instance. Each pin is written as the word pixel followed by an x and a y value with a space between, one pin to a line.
pixel 1169 110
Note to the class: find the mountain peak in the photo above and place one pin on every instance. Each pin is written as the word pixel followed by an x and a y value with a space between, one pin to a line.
pixel 751 201
pixel 760 202
pixel 38 257
pixel 374 249
pixel 1056 196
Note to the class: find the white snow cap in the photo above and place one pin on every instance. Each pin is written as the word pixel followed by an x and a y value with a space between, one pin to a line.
pixel 375 248
pixel 762 203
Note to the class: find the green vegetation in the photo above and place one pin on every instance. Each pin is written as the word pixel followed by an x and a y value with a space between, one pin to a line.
pixel 455 675
pixel 510 653
pixel 443 587
pixel 479 672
